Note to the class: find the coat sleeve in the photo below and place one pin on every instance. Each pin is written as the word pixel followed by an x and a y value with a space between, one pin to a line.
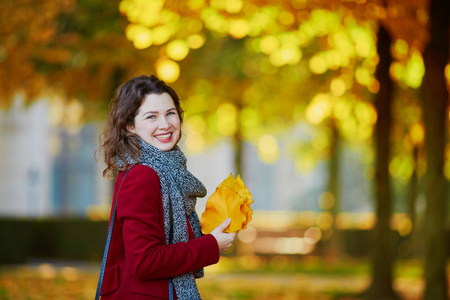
pixel 139 209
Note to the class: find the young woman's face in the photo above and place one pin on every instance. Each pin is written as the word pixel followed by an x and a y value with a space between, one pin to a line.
pixel 157 122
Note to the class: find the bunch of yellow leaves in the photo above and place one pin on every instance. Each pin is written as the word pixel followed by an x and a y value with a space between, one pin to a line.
pixel 230 200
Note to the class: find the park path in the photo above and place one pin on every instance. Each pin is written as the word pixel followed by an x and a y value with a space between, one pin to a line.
pixel 297 286
pixel 77 280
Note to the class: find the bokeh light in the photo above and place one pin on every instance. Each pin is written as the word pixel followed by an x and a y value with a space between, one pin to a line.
pixel 233 6
pixel 195 41
pixel 167 70
pixel 317 64
pixel 447 73
pixel 140 35
pixel 325 221
pixel 248 236
pixel 337 87
pixel 319 108
pixel 238 28
pixel 417 133
pixel 161 34
pixel 326 200
pixel 269 44
pixel 402 167
pixel 177 49
pixel 313 235
pixel 226 119
pixel 268 149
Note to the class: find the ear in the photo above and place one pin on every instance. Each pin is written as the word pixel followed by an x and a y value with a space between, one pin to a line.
pixel 130 128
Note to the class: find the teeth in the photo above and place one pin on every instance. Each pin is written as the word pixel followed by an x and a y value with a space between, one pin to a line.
pixel 164 136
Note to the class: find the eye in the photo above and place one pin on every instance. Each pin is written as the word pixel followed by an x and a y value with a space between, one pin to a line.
pixel 171 113
pixel 151 117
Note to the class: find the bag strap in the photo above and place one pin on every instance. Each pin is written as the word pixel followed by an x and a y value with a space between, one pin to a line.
pixel 108 241
pixel 171 242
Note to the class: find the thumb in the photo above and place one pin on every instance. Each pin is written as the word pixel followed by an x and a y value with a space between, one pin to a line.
pixel 224 224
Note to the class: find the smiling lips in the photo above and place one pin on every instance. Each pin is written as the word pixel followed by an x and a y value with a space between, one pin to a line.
pixel 165 137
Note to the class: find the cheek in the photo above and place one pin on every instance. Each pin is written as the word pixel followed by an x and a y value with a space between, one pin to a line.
pixel 177 123
pixel 144 128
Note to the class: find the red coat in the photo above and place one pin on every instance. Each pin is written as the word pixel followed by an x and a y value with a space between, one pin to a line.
pixel 139 261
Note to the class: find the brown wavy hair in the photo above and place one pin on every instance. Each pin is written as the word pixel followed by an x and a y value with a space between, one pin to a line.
pixel 116 140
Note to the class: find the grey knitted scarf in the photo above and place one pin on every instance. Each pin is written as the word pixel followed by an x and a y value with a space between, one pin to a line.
pixel 181 189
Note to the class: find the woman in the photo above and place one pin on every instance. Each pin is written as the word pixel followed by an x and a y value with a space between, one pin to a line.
pixel 149 254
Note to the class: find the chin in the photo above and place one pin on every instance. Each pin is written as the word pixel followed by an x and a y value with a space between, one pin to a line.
pixel 166 147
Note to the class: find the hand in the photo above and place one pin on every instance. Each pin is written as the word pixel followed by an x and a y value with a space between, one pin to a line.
pixel 224 240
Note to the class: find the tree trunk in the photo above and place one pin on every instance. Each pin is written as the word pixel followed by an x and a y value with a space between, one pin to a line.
pixel 333 249
pixel 238 149
pixel 412 201
pixel 237 142
pixel 435 103
pixel 382 248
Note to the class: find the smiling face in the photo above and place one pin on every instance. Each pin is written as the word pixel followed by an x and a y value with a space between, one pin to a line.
pixel 158 122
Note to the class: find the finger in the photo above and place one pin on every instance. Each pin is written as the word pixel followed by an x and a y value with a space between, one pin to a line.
pixel 225 224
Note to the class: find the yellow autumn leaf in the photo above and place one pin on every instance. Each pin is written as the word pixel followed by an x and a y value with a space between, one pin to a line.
pixel 230 200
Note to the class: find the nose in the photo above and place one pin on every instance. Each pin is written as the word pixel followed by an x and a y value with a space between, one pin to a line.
pixel 163 123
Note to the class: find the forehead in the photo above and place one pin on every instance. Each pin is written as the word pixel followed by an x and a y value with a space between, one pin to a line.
pixel 157 102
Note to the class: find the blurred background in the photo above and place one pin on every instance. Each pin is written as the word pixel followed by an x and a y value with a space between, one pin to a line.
pixel 333 112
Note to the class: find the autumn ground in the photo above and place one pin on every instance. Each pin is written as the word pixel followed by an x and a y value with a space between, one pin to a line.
pixel 312 280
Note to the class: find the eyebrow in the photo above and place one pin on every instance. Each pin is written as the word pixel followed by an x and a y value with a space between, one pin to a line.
pixel 157 112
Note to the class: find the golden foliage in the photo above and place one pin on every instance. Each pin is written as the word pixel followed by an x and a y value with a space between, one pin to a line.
pixel 24 28
pixel 230 200
pixel 66 49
